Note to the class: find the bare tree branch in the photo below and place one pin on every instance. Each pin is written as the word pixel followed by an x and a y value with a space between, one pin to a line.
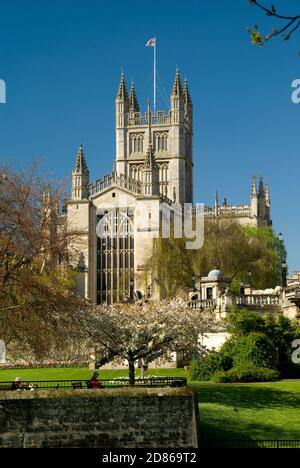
pixel 290 24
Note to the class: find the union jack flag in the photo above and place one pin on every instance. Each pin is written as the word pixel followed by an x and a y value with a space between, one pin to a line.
pixel 151 43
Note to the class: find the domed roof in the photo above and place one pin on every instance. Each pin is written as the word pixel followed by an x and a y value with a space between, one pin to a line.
pixel 215 275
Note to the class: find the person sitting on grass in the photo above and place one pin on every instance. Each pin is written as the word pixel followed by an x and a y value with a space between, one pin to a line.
pixel 17 384
pixel 94 382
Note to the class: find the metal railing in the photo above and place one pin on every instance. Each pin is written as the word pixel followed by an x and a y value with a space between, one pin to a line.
pixel 249 444
pixel 32 385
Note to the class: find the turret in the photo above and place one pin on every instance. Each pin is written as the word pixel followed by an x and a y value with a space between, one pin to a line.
pixel 261 200
pixel 122 109
pixel 261 191
pixel 80 177
pixel 177 100
pixel 216 207
pixel 267 196
pixel 133 102
pixel 188 104
pixel 254 188
pixel 268 204
pixel 179 165
pixel 254 200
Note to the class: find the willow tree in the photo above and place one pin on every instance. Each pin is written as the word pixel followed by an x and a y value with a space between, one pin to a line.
pixel 228 246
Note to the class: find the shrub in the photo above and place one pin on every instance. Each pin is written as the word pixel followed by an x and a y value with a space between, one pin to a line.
pixel 248 373
pixel 255 349
pixel 204 369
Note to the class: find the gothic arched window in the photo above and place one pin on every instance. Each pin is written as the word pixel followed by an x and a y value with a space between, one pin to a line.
pixel 115 257
pixel 164 178
pixel 161 142
pixel 136 143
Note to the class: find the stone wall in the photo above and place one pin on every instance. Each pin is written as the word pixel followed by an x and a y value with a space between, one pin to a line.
pixel 104 418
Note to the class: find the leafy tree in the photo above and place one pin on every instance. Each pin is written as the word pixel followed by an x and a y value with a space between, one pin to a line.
pixel 280 330
pixel 257 342
pixel 228 246
pixel 255 349
pixel 241 322
pixel 170 265
pixel 266 268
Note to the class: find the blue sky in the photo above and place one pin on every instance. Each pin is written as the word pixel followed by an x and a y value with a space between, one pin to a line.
pixel 61 62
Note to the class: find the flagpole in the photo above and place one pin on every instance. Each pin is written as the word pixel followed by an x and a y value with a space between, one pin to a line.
pixel 154 75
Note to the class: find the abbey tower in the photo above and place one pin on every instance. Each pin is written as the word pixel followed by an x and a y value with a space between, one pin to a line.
pixel 153 165
pixel 171 136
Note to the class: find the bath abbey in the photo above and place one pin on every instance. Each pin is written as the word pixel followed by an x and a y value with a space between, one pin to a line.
pixel 153 166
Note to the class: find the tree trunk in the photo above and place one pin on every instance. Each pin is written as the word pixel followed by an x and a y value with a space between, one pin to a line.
pixel 144 368
pixel 131 371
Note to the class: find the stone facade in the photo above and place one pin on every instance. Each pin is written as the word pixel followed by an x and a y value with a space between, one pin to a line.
pixel 213 292
pixel 153 166
pixel 106 418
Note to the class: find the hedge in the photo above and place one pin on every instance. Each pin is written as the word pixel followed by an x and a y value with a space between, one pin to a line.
pixel 246 374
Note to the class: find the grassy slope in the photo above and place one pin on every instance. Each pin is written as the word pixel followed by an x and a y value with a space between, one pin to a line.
pixel 250 411
pixel 228 411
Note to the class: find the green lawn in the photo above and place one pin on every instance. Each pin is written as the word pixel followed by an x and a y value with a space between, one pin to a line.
pixel 227 411
pixel 78 373
pixel 268 411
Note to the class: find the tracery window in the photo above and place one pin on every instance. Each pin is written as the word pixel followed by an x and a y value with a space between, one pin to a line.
pixel 136 172
pixel 164 178
pixel 161 141
pixel 136 143
pixel 115 257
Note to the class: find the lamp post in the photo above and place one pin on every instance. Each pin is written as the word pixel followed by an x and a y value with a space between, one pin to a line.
pixel 249 273
pixel 131 289
pixel 194 282
pixel 284 273
pixel 283 264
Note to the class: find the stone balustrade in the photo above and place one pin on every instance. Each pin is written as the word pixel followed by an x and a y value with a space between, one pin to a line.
pixel 157 118
pixel 204 305
pixel 229 210
pixel 257 300
pixel 119 180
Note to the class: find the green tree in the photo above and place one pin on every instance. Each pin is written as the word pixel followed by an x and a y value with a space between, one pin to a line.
pixel 241 322
pixel 280 330
pixel 228 246
pixel 255 349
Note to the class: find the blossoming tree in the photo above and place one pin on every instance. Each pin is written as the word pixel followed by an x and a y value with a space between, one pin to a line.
pixel 134 332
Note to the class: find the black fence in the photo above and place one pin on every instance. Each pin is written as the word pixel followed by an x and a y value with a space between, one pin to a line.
pixel 103 383
pixel 250 444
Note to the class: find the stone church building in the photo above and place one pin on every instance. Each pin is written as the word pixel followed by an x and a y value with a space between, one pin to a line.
pixel 153 165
